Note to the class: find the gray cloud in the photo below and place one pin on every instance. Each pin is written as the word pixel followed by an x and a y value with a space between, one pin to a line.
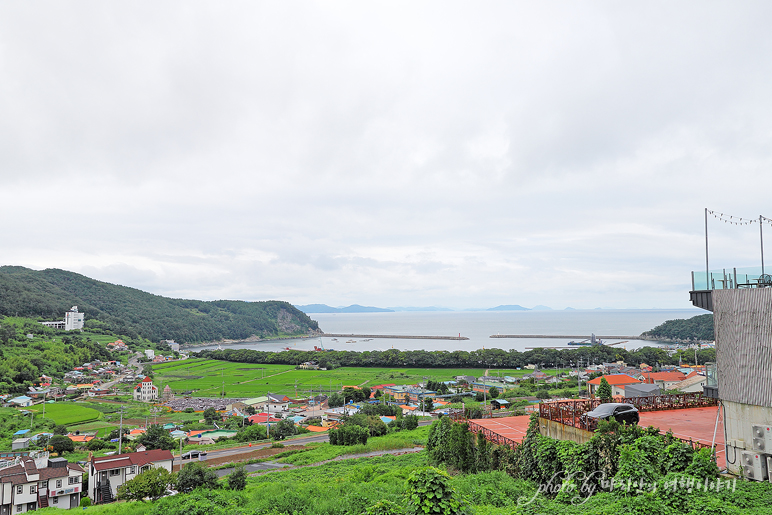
pixel 389 154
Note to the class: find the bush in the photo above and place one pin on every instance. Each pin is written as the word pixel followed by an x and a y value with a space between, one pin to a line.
pixel 189 410
pixel 237 480
pixel 283 429
pixel 702 465
pixel 195 475
pixel 61 444
pixel 85 502
pixel 152 484
pixel 430 492
pixel 349 434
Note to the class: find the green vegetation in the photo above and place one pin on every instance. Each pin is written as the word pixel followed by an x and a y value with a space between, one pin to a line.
pixel 380 485
pixel 67 413
pixel 459 360
pixel 113 309
pixel 695 328
pixel 206 376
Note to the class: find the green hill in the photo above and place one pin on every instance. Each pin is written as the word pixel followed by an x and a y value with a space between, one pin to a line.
pixel 47 294
pixel 695 328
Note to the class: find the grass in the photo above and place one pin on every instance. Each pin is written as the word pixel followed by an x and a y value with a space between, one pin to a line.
pixel 67 413
pixel 206 377
pixel 325 451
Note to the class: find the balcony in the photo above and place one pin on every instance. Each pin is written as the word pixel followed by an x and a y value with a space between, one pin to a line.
pixel 703 283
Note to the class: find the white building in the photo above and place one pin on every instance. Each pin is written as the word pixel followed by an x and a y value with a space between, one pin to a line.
pixel 33 484
pixel 107 473
pixel 73 321
pixel 145 391
pixel 150 353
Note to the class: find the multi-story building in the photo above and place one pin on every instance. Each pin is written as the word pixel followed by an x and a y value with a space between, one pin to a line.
pixel 146 391
pixel 73 320
pixel 108 473
pixel 741 378
pixel 31 484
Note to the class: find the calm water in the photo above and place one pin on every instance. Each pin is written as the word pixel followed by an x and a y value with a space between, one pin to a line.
pixel 478 326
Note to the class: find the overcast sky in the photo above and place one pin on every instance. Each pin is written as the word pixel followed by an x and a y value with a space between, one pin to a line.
pixel 386 153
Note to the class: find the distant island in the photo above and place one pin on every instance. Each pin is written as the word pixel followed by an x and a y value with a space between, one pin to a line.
pixel 508 307
pixel 354 308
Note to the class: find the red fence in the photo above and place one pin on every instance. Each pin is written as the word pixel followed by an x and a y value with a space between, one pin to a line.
pixel 571 413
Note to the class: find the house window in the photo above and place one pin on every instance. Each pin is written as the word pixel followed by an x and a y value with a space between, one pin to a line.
pixel 115 472
pixel 19 508
pixel 132 469
pixel 54 500
pixel 33 489
pixel 73 480
pixel 44 484
pixel 20 490
pixel 58 483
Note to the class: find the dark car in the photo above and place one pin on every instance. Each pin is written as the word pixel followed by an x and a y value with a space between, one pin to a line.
pixel 621 412
pixel 193 455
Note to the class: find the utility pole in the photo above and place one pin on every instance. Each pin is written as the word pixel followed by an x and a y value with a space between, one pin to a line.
pixel 120 432
pixel 761 235
pixel 707 268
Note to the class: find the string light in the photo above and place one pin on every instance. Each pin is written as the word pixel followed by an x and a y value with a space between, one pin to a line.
pixel 736 220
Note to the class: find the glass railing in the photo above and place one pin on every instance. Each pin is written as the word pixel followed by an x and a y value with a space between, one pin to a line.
pixel 711 376
pixel 730 278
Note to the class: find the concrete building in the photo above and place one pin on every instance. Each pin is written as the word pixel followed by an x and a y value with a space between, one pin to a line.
pixel 146 391
pixel 32 484
pixel 107 473
pixel 74 320
pixel 741 378
pixel 150 353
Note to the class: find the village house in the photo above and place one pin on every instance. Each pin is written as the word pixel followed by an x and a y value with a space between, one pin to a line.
pixel 107 473
pixel 664 379
pixel 32 484
pixel 693 383
pixel 146 391
pixel 617 382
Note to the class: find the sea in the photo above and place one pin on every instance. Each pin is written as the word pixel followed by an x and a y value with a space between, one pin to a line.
pixel 478 326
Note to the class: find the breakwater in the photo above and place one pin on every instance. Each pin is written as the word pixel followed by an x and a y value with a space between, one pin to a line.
pixel 565 336
pixel 393 336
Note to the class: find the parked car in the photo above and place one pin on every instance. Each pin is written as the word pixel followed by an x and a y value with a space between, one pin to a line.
pixel 619 411
pixel 193 455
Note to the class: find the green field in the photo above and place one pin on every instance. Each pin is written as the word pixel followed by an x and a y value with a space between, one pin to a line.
pixel 67 413
pixel 206 377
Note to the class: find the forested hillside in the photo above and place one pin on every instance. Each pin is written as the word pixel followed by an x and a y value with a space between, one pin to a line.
pixel 695 328
pixel 47 294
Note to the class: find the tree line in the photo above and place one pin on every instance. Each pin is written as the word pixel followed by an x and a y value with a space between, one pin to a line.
pixel 481 358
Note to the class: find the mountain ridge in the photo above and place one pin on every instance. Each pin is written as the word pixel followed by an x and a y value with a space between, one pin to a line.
pixel 49 293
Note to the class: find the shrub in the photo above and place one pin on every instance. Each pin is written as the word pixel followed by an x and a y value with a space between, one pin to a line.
pixel 678 456
pixel 349 434
pixel 189 410
pixel 283 429
pixel 152 484
pixel 702 465
pixel 384 507
pixel 237 480
pixel 430 492
pixel 195 475
pixel 604 390
pixel 85 502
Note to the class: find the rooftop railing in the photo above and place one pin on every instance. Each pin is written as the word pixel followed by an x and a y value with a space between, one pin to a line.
pixel 731 278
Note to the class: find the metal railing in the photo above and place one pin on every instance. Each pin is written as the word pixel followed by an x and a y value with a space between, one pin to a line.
pixel 571 413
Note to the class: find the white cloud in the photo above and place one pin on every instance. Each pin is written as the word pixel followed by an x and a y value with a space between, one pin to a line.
pixel 387 154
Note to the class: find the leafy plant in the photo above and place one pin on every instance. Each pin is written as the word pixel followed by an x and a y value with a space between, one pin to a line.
pixel 152 484
pixel 430 492
pixel 237 480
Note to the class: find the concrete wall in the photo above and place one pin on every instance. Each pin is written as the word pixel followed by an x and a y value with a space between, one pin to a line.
pixel 560 431
pixel 738 419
